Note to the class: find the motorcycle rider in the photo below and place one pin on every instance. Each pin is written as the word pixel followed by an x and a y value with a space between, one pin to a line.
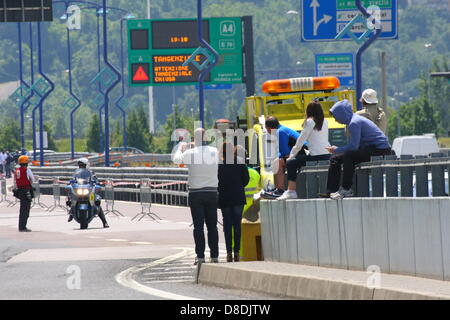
pixel 82 165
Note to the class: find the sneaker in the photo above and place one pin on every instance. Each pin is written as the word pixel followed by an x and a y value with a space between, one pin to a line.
pixel 278 192
pixel 25 230
pixel 229 257
pixel 214 260
pixel 341 194
pixel 199 261
pixel 288 195
pixel 106 226
pixel 236 256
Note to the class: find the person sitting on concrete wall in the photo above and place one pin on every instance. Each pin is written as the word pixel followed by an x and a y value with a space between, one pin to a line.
pixel 366 140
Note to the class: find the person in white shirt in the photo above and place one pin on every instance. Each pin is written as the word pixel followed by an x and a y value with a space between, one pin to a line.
pixel 2 161
pixel 202 162
pixel 315 132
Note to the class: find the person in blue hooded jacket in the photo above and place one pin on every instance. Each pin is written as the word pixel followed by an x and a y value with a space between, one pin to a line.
pixel 366 140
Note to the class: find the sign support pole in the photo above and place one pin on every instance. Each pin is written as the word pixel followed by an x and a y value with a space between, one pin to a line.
pixel 205 71
pixel 360 52
pixel 111 87
pixel 52 87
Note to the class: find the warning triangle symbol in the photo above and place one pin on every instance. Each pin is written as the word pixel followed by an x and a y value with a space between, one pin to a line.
pixel 140 75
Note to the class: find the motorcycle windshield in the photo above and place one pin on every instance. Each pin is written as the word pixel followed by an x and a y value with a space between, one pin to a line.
pixel 83 176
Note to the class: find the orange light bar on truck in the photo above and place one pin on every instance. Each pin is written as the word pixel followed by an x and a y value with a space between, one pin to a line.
pixel 301 84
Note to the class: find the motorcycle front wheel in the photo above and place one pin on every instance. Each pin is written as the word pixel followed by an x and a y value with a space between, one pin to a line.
pixel 83 220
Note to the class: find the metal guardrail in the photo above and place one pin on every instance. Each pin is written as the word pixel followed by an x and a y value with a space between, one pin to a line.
pixel 98 159
pixel 169 185
pixel 408 176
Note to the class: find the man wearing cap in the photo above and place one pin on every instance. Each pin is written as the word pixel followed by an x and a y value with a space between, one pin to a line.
pixel 371 110
pixel 23 179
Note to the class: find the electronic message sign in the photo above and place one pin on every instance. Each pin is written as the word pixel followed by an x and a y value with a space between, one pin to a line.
pixel 158 48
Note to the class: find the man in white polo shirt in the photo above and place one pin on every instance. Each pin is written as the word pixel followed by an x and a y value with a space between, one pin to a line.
pixel 202 162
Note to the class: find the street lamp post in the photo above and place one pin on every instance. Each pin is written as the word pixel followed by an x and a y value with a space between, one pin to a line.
pixel 111 87
pixel 122 68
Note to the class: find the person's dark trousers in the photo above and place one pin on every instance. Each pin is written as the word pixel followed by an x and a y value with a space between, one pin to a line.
pixel 101 215
pixel 349 160
pixel 232 218
pixel 204 210
pixel 25 206
pixel 8 171
pixel 300 161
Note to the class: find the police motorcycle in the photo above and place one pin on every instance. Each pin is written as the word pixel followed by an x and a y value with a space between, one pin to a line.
pixel 83 200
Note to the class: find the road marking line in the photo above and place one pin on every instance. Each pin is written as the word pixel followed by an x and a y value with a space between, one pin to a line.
pixel 125 278
pixel 172 281
pixel 141 242
pixel 169 272
pixel 150 280
pixel 174 268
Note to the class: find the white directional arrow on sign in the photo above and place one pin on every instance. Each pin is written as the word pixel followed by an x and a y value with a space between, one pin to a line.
pixel 326 18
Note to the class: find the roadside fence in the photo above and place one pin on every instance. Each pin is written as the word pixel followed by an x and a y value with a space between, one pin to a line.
pixel 4 194
pixel 109 199
pixel 57 196
pixel 37 195
pixel 146 201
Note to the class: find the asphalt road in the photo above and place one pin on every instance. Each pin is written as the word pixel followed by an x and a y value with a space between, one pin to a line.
pixel 138 260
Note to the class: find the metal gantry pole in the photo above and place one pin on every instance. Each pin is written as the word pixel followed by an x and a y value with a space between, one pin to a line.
pixel 151 107
pixel 69 65
pixel 108 90
pixel 22 82
pixel 100 110
pixel 359 54
pixel 52 87
pixel 122 67
pixel 205 71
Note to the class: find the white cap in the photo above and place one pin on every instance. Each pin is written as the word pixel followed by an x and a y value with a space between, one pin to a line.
pixel 370 96
pixel 83 160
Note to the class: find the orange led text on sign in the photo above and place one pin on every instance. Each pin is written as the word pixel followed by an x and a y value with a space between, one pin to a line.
pixel 170 73
pixel 179 39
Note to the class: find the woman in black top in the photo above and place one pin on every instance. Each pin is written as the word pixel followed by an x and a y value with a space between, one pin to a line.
pixel 233 177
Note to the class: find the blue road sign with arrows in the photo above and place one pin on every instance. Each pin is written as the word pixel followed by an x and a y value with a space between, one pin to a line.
pixel 324 19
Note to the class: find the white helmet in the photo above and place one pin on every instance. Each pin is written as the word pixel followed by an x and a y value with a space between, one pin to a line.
pixel 83 161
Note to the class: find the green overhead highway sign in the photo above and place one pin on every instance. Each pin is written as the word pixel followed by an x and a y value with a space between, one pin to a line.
pixel 158 48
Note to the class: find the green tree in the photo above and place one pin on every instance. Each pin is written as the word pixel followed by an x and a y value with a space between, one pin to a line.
pixel 93 135
pixel 50 138
pixel 138 134
pixel 10 136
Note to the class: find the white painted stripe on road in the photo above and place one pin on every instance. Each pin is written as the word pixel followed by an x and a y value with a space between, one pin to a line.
pixel 141 242
pixel 171 281
pixel 174 268
pixel 151 280
pixel 169 272
pixel 125 278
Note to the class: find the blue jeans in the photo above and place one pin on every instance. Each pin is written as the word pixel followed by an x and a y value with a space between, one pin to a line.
pixel 232 218
pixel 204 211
